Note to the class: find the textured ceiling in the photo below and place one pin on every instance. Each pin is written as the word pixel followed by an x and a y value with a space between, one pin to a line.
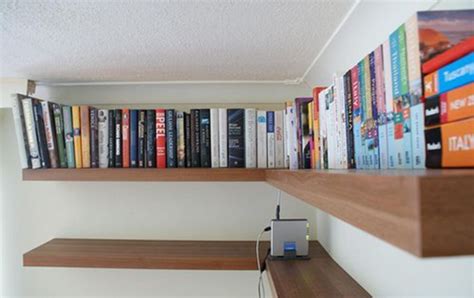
pixel 74 41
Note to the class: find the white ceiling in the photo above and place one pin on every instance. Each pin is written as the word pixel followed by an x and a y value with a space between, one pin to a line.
pixel 79 41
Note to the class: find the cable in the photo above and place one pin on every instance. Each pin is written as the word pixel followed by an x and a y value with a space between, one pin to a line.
pixel 261 288
pixel 278 205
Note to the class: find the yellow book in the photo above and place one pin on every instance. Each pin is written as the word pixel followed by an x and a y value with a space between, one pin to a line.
pixel 76 126
pixel 85 137
pixel 311 130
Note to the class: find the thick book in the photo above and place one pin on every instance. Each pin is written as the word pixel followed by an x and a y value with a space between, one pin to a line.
pixel 160 135
pixel 261 139
pixel 236 137
pixel 205 137
pixel 195 139
pixel 150 139
pixel 69 137
pixel 180 140
pixel 125 138
pixel 223 138
pixel 171 160
pixel 41 134
pixel 103 137
pixel 463 48
pixel 94 137
pixel 279 140
pixel 118 138
pixel 85 137
pixel 133 138
pixel 215 138
pixel 59 130
pixel 450 145
pixel 111 128
pixel 187 139
pixel 270 139
pixel 250 138
pixel 141 138
pixel 20 131
pixel 30 126
pixel 301 113
pixel 50 134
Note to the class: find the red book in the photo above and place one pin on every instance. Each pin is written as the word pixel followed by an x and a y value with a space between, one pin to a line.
pixel 126 138
pixel 160 138
pixel 461 49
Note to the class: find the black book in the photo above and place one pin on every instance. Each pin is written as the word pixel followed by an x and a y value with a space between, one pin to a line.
pixel 40 132
pixel 118 138
pixel 205 136
pixel 150 139
pixel 133 138
pixel 141 138
pixel 195 139
pixel 170 118
pixel 349 121
pixel 94 137
pixel 236 137
pixel 111 129
pixel 187 139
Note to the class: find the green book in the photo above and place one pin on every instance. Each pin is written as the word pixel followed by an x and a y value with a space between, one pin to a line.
pixel 402 46
pixel 69 136
pixel 58 122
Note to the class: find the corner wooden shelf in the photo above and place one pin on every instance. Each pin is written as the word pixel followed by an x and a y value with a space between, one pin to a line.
pixel 320 276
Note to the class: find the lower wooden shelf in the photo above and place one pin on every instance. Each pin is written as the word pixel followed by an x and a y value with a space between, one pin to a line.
pixel 318 277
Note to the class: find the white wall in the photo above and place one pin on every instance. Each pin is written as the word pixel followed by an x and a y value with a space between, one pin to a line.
pixel 379 267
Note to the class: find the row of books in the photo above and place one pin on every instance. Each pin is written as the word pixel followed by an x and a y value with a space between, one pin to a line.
pixel 60 136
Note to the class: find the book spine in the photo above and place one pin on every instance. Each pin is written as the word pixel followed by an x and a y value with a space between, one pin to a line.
pixel 32 137
pixel 236 137
pixel 461 49
pixel 49 130
pixel 103 138
pixel 279 137
pixel 195 139
pixel 362 99
pixel 187 141
pixel 381 109
pixel 397 101
pixel 85 137
pixel 118 138
pixel 390 128
pixel 311 134
pixel 270 139
pixel 20 131
pixel 141 138
pixel 331 127
pixel 180 140
pixel 205 136
pixel 286 140
pixel 160 138
pixel 111 141
pixel 41 133
pixel 342 120
pixel 356 116
pixel 171 160
pixel 133 138
pixel 69 137
pixel 59 129
pixel 261 139
pixel 94 137
pixel 215 138
pixel 305 135
pixel 223 138
pixel 150 139
pixel 405 98
pixel 292 136
pixel 373 133
pixel 349 120
pixel 322 130
pixel 250 138
pixel 126 138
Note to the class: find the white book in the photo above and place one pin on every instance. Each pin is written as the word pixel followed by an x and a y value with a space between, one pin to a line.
pixel 31 133
pixel 50 135
pixel 223 138
pixel 342 127
pixel 215 138
pixel 103 138
pixel 271 139
pixel 322 128
pixel 292 137
pixel 285 138
pixel 20 131
pixel 250 138
pixel 261 139
pixel 279 140
pixel 331 129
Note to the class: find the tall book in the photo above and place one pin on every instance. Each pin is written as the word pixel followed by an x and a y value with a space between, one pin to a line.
pixel 126 138
pixel 250 128
pixel 41 133
pixel 171 160
pixel 30 126
pixel 111 141
pixel 389 123
pixel 20 130
pixel 59 130
pixel 103 137
pixel 356 116
pixel 50 134
pixel 341 123
pixel 292 136
pixel 141 138
pixel 85 137
pixel 236 137
pixel 69 137
pixel 187 139
pixel 381 136
pixel 133 138
pixel 261 139
pixel 349 117
pixel 363 112
pixel 373 127
pixel 94 137
pixel 118 138
pixel 223 138
pixel 279 140
pixel 160 138
pixel 270 139
pixel 301 112
pixel 180 140
pixel 150 139
pixel 316 121
pixel 195 139
pixel 205 137
pixel 215 138
pixel 331 117
pixel 286 140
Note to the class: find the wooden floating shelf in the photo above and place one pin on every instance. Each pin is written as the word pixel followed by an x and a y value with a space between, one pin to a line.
pixel 320 276
pixel 425 212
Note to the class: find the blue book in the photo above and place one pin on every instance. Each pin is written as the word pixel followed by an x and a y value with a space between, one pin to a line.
pixel 170 118
pixel 374 140
pixel 271 138
pixel 133 138
pixel 363 115
pixel 456 74
pixel 236 138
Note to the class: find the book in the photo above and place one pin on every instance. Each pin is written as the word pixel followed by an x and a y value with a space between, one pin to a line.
pixel 195 139
pixel 350 152
pixel 250 128
pixel 50 134
pixel 103 137
pixel 141 138
pixel 311 133
pixel 31 133
pixel 270 139
pixel 20 131
pixel 223 138
pixel 372 125
pixel 451 76
pixel 69 137
pixel 356 116
pixel 341 125
pixel 292 136
pixel 215 138
pixel 261 139
pixel 111 141
pixel 301 113
pixel 94 137
pixel 41 134
pixel 205 137
pixel 450 106
pixel 279 140
pixel 463 48
pixel 380 137
pixel 171 160
pixel 160 138
pixel 316 121
pixel 126 138
pixel 450 145
pixel 59 127
pixel 361 71
pixel 85 137
pixel 180 140
pixel 150 151
pixel 134 138
pixel 118 138
pixel 388 125
pixel 187 139
pixel 236 137
pixel 286 149
pixel 331 119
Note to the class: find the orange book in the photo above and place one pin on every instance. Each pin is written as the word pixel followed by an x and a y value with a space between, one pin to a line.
pixel 316 159
pixel 125 138
pixel 450 145
pixel 85 137
pixel 76 126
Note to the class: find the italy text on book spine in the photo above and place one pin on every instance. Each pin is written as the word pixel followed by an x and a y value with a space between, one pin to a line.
pixel 236 137
pixel 279 137
pixel 85 137
pixel 59 127
pixel 50 134
pixel 261 139
pixel 103 137
pixel 133 138
pixel 171 161
pixel 205 136
pixel 20 131
pixel 69 137
pixel 111 128
pixel 141 138
pixel 150 139
pixel 223 138
pixel 270 139
pixel 30 126
pixel 250 138
pixel 215 138
pixel 180 140
pixel 195 139
pixel 160 138
pixel 94 137
pixel 118 138
pixel 126 138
